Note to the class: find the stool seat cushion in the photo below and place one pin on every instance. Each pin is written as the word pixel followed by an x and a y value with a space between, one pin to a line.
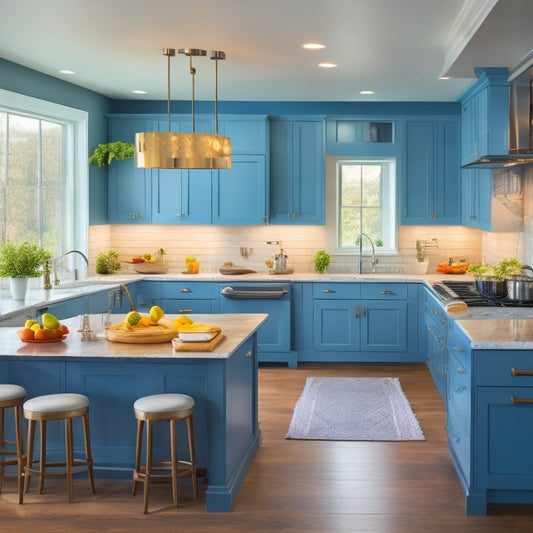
pixel 56 402
pixel 163 403
pixel 11 392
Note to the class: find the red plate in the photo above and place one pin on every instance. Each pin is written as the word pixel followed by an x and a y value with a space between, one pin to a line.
pixel 46 340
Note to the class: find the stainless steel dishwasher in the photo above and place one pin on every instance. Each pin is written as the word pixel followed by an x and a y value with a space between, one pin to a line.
pixel 274 299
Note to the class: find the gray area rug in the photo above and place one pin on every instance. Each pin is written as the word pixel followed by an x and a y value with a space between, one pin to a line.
pixel 354 409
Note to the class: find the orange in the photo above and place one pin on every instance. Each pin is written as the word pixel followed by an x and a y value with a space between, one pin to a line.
pixel 26 334
pixel 48 334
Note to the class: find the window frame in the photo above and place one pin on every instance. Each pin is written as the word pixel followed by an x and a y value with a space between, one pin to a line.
pixel 75 156
pixel 389 206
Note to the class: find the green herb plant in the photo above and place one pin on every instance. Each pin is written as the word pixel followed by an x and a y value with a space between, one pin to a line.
pixel 508 267
pixel 480 270
pixel 22 259
pixel 322 260
pixel 105 153
pixel 107 262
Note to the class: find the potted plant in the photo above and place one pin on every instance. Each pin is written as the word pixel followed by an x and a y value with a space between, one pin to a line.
pixel 105 153
pixel 107 262
pixel 421 266
pixel 19 261
pixel 322 260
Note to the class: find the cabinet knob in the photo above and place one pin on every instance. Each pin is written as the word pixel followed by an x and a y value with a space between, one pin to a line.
pixel 471 217
pixel 459 370
pixel 249 353
pixel 296 215
pixel 460 350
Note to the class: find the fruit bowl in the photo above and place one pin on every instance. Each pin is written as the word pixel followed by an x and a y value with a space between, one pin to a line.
pixel 150 268
pixel 39 341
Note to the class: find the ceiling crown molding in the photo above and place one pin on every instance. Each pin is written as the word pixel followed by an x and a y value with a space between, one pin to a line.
pixel 470 18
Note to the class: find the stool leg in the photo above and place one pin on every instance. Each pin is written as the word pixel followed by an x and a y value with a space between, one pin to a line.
pixel 88 452
pixel 192 451
pixel 20 451
pixel 148 472
pixel 29 459
pixel 138 450
pixel 174 456
pixel 42 455
pixel 69 453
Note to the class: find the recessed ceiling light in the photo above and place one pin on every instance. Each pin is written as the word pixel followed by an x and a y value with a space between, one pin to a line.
pixel 66 71
pixel 313 46
pixel 366 92
pixel 137 91
pixel 327 65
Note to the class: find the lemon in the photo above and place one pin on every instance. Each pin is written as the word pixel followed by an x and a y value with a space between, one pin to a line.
pixel 132 319
pixel 182 320
pixel 50 321
pixel 29 323
pixel 189 259
pixel 35 326
pixel 156 313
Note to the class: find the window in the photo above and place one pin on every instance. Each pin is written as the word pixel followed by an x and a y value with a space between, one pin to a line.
pixel 365 203
pixel 43 173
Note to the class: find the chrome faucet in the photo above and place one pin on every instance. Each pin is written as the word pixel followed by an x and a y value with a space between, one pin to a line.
pixel 374 259
pixel 49 263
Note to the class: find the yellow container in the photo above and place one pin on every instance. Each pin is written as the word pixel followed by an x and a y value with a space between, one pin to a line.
pixel 193 267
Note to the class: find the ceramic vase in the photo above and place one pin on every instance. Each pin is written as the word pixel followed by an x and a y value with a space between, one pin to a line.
pixel 18 288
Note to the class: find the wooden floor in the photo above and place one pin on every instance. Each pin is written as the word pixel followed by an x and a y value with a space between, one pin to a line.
pixel 302 486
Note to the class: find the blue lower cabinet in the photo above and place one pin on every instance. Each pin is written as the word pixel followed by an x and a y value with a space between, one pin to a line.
pixel 335 326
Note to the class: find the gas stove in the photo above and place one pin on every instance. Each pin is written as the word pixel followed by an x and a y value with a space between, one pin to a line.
pixel 466 291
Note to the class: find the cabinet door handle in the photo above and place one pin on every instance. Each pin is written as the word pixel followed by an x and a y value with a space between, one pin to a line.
pixel 327 290
pixel 516 372
pixel 296 215
pixel 460 370
pixel 249 353
pixel 364 311
pixel 186 310
pixel 460 350
pixel 520 400
pixel 186 290
pixel 387 292
pixel 356 312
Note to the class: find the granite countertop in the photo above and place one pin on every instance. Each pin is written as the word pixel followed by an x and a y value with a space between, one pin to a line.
pixel 235 327
pixel 498 334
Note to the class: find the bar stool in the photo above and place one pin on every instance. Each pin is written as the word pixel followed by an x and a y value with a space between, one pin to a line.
pixel 169 407
pixel 58 407
pixel 12 396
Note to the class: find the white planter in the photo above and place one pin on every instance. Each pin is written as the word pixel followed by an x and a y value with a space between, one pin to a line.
pixel 421 267
pixel 18 288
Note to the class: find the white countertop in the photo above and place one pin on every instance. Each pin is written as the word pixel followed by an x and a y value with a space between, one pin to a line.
pixel 235 327
pixel 489 334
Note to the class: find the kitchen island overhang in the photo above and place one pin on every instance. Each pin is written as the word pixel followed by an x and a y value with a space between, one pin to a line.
pixel 223 384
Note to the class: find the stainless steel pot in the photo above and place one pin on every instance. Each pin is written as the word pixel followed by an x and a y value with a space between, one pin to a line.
pixel 520 288
pixel 492 288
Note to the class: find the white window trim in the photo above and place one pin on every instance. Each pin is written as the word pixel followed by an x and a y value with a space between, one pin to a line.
pixel 76 166
pixel 332 207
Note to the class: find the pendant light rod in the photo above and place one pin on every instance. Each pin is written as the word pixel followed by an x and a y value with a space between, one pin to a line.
pixel 169 52
pixel 192 52
pixel 216 55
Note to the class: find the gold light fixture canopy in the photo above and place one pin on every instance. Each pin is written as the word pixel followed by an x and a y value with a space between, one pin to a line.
pixel 184 150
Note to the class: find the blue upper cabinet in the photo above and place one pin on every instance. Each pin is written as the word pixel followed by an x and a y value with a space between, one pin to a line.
pixel 240 193
pixel 430 191
pixel 485 115
pixel 129 187
pixel 182 196
pixel 477 198
pixel 297 171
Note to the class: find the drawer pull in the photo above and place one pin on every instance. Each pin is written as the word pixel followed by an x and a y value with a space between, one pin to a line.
pixel 186 311
pixel 515 372
pixel 186 290
pixel 249 353
pixel 387 292
pixel 327 290
pixel 460 350
pixel 520 400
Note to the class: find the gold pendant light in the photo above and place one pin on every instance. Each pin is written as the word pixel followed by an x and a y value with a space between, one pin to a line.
pixel 184 150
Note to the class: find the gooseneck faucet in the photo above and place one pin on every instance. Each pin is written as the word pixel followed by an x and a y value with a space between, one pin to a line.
pixel 359 242
pixel 53 262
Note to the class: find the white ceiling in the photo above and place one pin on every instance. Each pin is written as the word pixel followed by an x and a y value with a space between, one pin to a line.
pixel 398 48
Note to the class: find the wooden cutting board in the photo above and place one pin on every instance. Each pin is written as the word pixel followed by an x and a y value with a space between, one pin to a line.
pixel 180 346
pixel 148 335
pixel 231 271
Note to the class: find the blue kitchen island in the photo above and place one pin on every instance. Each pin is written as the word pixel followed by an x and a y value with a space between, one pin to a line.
pixel 113 375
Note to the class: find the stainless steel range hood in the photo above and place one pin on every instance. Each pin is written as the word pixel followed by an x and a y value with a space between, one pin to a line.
pixel 520 127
